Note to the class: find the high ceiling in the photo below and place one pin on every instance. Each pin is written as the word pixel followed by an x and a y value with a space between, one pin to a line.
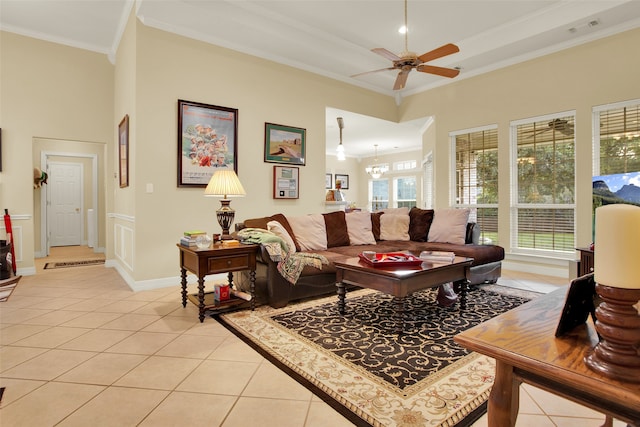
pixel 334 38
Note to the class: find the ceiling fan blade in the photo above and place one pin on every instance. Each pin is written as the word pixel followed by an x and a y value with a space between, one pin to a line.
pixel 401 80
pixel 374 71
pixel 444 50
pixel 440 71
pixel 385 53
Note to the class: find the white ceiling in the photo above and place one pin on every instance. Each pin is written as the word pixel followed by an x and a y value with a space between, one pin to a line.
pixel 334 37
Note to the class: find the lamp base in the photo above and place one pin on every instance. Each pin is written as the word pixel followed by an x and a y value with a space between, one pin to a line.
pixel 617 355
pixel 225 218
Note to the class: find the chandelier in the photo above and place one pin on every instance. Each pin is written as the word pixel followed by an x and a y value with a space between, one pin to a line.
pixel 376 170
pixel 340 149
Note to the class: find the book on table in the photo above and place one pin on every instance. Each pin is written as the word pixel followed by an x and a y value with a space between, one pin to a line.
pixel 437 256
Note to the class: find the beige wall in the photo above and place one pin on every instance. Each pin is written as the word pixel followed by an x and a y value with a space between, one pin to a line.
pixel 601 72
pixel 47 91
pixel 56 92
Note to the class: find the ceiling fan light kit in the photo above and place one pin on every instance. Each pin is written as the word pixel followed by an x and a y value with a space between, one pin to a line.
pixel 340 149
pixel 407 60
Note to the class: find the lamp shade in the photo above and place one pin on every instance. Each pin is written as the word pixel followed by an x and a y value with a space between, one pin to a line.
pixel 617 245
pixel 224 183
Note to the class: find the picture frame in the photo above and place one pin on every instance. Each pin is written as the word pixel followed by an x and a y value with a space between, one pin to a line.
pixel 328 181
pixel 207 141
pixel 344 180
pixel 284 144
pixel 286 182
pixel 123 151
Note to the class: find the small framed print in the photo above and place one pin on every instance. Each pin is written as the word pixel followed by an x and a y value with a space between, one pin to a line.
pixel 284 144
pixel 344 181
pixel 286 182
pixel 328 181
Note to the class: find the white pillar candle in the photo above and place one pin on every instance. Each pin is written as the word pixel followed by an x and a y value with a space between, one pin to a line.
pixel 617 246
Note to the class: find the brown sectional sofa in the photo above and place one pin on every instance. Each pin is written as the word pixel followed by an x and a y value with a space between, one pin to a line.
pixel 273 289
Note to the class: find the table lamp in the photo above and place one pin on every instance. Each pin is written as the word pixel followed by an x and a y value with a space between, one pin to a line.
pixel 225 183
pixel 616 256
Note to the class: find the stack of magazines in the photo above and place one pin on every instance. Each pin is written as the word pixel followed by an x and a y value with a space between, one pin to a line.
pixel 437 256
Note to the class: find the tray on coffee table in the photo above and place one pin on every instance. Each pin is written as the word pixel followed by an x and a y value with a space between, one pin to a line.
pixel 391 259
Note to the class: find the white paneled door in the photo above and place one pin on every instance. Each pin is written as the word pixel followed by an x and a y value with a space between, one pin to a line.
pixel 65 213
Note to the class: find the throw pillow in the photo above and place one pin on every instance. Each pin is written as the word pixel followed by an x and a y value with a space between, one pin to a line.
pixel 285 223
pixel 394 227
pixel 449 226
pixel 398 211
pixel 359 228
pixel 257 222
pixel 336 225
pixel 419 224
pixel 375 224
pixel 276 228
pixel 310 231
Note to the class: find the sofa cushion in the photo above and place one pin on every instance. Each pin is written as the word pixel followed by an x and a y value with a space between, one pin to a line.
pixel 310 231
pixel 336 226
pixel 276 228
pixel 449 226
pixel 285 223
pixel 359 228
pixel 394 227
pixel 419 224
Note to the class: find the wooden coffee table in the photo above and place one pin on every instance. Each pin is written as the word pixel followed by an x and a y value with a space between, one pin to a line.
pixel 400 281
pixel 524 345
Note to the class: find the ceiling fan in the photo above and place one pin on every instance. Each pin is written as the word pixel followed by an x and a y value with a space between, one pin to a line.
pixel 407 60
pixel 560 125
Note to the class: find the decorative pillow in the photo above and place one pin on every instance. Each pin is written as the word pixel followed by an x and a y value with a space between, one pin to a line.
pixel 394 227
pixel 375 224
pixel 359 228
pixel 257 222
pixel 285 223
pixel 419 224
pixel 336 225
pixel 449 226
pixel 276 228
pixel 310 231
pixel 397 211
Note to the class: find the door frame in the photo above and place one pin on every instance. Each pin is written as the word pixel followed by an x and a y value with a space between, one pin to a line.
pixel 44 212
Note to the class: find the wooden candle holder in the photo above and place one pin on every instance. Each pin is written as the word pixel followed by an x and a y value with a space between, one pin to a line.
pixel 617 355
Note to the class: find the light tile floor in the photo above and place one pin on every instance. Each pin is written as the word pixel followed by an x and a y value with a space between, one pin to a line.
pixel 78 348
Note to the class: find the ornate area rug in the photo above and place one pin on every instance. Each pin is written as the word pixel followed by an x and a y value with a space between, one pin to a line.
pixel 374 377
pixel 66 264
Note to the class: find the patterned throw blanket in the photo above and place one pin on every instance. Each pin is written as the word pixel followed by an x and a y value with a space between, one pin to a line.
pixel 290 264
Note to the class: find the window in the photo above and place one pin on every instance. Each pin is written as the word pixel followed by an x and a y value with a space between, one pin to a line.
pixel 379 191
pixel 475 186
pixel 543 185
pixel 616 130
pixel 404 165
pixel 405 191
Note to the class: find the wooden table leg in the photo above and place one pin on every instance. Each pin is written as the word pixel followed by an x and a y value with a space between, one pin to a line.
pixel 183 275
pixel 341 295
pixel 252 289
pixel 504 399
pixel 201 298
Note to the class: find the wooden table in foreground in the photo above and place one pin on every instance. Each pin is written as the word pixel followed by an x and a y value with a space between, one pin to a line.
pixel 400 281
pixel 218 258
pixel 524 345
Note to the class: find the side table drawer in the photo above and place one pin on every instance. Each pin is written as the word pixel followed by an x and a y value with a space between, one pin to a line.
pixel 226 263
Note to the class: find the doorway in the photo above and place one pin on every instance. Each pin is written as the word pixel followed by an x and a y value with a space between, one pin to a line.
pixel 60 215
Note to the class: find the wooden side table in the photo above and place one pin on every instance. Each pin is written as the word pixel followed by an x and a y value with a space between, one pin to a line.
pixel 524 345
pixel 218 258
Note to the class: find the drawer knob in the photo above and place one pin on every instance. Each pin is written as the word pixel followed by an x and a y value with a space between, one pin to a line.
pixel 229 263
